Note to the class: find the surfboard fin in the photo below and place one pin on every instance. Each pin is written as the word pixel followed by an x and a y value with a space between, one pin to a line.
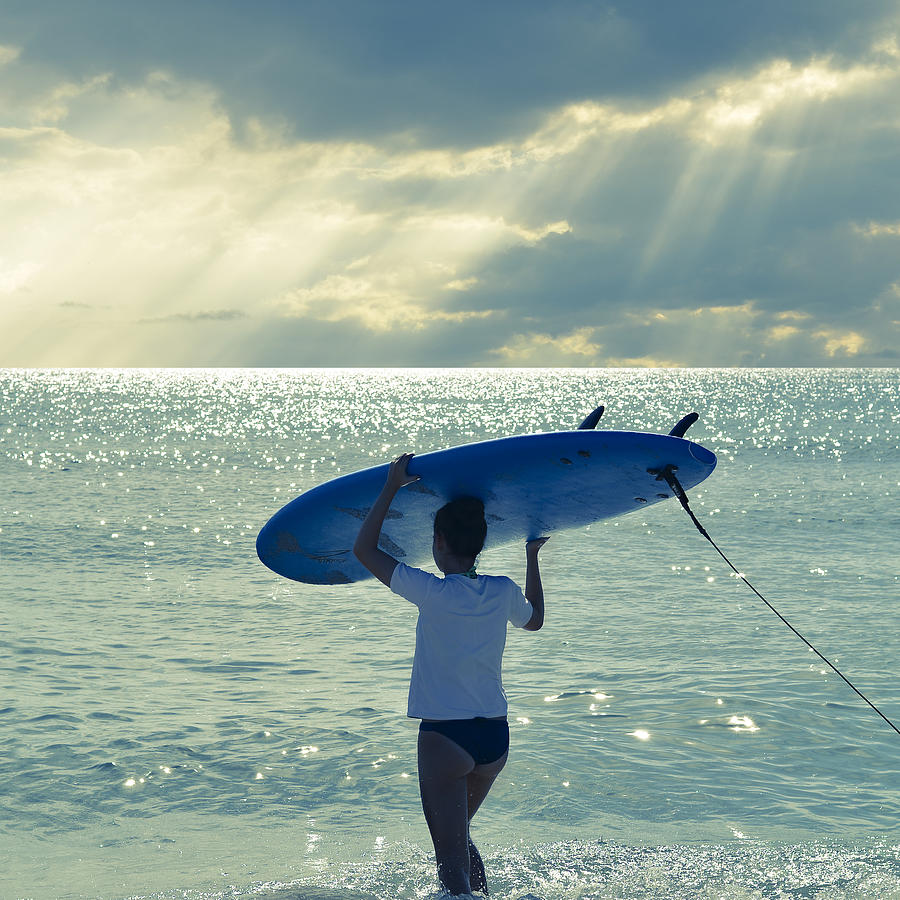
pixel 684 424
pixel 592 420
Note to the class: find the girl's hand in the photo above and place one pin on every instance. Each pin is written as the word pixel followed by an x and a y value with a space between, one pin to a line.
pixel 532 547
pixel 398 477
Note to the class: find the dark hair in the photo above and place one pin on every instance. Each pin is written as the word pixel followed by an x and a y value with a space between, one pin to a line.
pixel 462 524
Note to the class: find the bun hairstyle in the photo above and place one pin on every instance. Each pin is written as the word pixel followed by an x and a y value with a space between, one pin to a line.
pixel 462 525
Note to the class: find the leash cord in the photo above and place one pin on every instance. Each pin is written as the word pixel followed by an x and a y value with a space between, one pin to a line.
pixel 668 475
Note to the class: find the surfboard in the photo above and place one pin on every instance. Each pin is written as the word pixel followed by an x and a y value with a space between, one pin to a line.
pixel 531 485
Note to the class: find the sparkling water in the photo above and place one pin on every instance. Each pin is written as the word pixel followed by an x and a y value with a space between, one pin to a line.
pixel 179 722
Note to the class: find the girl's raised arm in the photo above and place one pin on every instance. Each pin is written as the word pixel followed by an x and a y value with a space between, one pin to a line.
pixel 366 548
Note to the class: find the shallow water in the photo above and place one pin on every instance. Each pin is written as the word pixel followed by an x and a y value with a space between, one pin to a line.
pixel 176 721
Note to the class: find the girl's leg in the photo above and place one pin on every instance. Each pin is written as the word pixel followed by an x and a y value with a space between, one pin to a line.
pixel 443 767
pixel 477 878
pixel 478 783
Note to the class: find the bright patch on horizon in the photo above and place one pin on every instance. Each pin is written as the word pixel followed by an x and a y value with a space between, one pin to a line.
pixel 848 343
pixel 560 350
pixel 783 332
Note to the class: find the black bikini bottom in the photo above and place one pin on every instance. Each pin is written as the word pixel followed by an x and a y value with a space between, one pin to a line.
pixel 485 740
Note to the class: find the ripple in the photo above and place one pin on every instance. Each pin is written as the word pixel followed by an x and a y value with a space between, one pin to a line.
pixel 55 717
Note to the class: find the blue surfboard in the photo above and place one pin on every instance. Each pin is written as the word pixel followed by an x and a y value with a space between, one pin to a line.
pixel 531 485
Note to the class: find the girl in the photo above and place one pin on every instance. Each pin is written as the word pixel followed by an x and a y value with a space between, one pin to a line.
pixel 455 689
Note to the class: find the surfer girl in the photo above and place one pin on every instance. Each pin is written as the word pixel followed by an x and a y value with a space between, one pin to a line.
pixel 455 688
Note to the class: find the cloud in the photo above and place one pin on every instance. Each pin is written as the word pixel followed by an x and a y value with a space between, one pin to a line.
pixel 469 77
pixel 734 214
pixel 382 302
pixel 726 336
pixel 744 103
pixel 399 290
pixel 15 275
pixel 782 332
pixel 577 347
pixel 9 54
pixel 879 229
pixel 185 214
pixel 216 315
pixel 837 343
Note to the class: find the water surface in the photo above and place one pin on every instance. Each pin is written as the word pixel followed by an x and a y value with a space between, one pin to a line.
pixel 177 721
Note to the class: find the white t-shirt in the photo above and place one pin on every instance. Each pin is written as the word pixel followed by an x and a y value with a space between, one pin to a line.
pixel 460 637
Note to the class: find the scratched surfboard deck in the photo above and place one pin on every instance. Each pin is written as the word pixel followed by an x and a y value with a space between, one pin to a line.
pixel 531 485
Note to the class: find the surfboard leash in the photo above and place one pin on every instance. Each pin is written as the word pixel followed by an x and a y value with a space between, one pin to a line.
pixel 667 474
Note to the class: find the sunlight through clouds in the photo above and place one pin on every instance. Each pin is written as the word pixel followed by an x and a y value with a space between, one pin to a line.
pixel 877 229
pixel 141 215
pixel 743 103
pixel 722 121
pixel 192 219
pixel 392 290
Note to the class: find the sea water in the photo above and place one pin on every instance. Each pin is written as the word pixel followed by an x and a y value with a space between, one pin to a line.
pixel 178 722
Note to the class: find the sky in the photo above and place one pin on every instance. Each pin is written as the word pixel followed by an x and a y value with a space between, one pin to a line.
pixel 490 183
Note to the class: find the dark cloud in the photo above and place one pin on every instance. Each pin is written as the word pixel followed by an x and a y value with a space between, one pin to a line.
pixel 462 74
pixel 216 315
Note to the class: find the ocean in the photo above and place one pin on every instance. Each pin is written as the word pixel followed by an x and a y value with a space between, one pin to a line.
pixel 176 721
